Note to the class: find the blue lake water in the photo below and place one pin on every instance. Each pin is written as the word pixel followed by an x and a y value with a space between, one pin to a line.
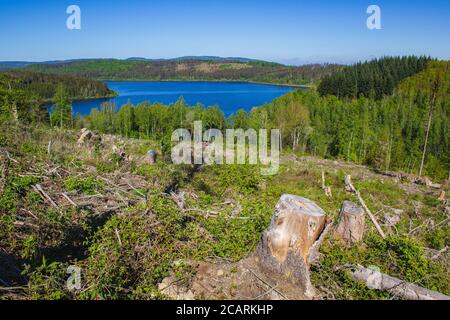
pixel 229 96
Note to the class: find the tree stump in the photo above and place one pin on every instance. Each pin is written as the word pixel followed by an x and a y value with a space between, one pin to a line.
pixel 285 246
pixel 351 222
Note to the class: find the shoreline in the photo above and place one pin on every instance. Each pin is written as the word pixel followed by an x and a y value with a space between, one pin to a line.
pixel 300 86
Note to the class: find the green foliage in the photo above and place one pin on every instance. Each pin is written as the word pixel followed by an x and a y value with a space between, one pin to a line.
pixel 48 281
pixel 45 85
pixel 16 188
pixel 244 178
pixel 237 236
pixel 88 185
pixel 373 79
pixel 439 239
pixel 397 256
pixel 179 69
pixel 122 267
pixel 62 109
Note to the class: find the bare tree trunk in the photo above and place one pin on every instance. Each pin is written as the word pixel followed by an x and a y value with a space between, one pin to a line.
pixel 430 115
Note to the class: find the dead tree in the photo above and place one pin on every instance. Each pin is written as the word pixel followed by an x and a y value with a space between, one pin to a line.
pixel 430 116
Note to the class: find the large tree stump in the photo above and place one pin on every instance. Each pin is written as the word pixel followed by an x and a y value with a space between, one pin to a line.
pixel 351 222
pixel 285 246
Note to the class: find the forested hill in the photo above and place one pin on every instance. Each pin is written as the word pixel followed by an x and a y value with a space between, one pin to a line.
pixel 373 79
pixel 388 134
pixel 44 85
pixel 190 69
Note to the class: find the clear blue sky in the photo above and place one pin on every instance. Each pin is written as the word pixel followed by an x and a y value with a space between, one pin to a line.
pixel 290 31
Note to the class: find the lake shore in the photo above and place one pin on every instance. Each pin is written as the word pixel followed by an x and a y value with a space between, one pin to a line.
pixel 299 86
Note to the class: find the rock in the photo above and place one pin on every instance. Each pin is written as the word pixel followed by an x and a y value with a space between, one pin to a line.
pixel 284 248
pixel 219 272
pixel 351 222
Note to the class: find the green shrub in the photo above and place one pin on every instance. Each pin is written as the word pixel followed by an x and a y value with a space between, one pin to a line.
pixel 15 190
pixel 397 256
pixel 87 185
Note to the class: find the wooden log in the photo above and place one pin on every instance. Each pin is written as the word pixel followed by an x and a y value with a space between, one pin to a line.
pixel 351 222
pixel 405 290
pixel 44 195
pixel 285 246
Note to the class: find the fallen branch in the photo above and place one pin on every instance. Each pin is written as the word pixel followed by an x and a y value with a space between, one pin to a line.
pixel 208 213
pixel 118 236
pixel 178 199
pixel 406 290
pixel 68 199
pixel 44 195
pixel 136 190
pixel 349 187
pixel 437 255
pixel 49 148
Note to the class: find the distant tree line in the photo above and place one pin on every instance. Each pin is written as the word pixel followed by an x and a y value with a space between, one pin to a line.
pixel 45 85
pixel 374 79
pixel 190 70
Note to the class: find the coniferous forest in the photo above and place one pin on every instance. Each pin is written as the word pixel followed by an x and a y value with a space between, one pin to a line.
pixel 374 79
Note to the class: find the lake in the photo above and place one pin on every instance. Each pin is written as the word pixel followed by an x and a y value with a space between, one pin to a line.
pixel 229 96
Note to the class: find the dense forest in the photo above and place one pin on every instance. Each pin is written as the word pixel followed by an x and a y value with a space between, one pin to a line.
pixel 45 85
pixel 373 79
pixel 190 69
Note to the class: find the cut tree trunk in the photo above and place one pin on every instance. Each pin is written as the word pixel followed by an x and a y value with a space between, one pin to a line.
pixel 350 188
pixel 405 290
pixel 285 247
pixel 351 222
